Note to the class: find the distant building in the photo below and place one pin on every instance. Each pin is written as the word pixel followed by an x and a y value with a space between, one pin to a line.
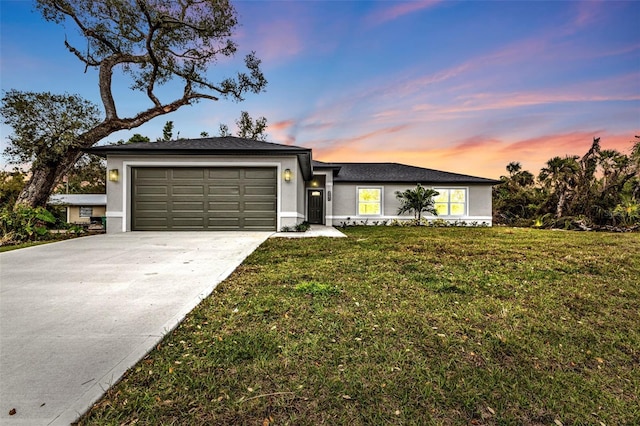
pixel 81 208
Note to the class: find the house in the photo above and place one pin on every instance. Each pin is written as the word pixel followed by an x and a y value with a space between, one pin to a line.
pixel 230 183
pixel 81 208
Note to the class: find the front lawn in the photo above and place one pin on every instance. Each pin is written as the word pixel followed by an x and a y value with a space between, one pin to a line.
pixel 411 326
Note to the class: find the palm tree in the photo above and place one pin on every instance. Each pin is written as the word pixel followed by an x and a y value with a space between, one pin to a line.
pixel 524 179
pixel 559 177
pixel 418 200
pixel 513 168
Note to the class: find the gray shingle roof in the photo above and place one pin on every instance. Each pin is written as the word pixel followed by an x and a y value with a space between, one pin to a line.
pixel 399 173
pixel 217 144
pixel 78 199
pixel 343 172
pixel 229 145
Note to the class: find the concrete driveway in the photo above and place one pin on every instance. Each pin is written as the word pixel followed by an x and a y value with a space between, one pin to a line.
pixel 75 315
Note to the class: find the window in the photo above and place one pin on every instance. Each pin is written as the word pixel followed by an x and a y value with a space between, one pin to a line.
pixel 86 211
pixel 451 201
pixel 369 201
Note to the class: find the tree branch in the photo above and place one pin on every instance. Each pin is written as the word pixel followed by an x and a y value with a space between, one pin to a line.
pixel 86 31
pixel 149 38
pixel 105 75
pixel 88 60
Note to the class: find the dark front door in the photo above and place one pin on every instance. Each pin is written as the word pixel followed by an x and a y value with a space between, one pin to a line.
pixel 315 202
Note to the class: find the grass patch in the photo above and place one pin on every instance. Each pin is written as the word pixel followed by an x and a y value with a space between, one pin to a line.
pixel 51 238
pixel 408 326
pixel 11 247
pixel 313 288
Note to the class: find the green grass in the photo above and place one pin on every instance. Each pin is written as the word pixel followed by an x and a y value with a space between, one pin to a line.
pixel 411 326
pixel 24 245
pixel 50 238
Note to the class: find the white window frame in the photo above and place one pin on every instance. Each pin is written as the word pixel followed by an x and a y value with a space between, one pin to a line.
pixel 466 200
pixel 381 189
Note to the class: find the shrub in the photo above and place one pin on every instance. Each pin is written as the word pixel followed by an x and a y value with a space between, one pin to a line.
pixel 627 213
pixel 302 227
pixel 25 224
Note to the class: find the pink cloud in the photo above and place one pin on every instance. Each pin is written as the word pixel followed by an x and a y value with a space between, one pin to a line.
pixel 358 143
pixel 278 39
pixel 463 73
pixel 613 89
pixel 280 132
pixel 561 144
pixel 478 155
pixel 588 13
pixel 317 125
pixel 398 10
pixel 281 125
pixel 622 50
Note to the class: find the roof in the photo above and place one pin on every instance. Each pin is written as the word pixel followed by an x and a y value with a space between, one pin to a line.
pixel 399 173
pixel 206 146
pixel 78 199
pixel 216 144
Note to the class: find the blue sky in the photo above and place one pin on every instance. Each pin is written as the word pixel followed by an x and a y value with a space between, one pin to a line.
pixel 457 86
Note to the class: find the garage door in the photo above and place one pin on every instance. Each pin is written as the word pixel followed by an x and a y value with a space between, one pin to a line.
pixel 210 199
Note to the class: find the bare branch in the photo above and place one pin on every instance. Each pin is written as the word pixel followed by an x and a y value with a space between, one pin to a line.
pixel 88 60
pixel 154 61
pixel 85 30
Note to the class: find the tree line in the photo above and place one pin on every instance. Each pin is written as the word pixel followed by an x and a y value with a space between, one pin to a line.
pixel 598 190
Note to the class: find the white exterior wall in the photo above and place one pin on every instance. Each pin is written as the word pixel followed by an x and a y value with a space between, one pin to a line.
pixel 345 206
pixel 290 204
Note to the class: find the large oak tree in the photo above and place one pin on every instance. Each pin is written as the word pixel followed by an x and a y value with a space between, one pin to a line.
pixel 45 134
pixel 153 42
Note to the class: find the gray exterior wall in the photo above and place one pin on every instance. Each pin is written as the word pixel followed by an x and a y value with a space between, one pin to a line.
pixel 300 202
pixel 345 205
pixel 291 200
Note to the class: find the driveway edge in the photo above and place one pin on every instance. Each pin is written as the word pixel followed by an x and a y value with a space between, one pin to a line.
pixel 81 405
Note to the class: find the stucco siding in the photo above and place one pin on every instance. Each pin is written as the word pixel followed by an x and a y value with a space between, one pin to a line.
pixel 480 201
pixel 300 201
pixel 345 203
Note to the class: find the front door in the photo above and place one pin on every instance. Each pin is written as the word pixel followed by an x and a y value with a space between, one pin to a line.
pixel 315 204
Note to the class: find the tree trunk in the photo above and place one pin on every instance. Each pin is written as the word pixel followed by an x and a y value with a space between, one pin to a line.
pixel 44 177
pixel 560 206
pixel 43 180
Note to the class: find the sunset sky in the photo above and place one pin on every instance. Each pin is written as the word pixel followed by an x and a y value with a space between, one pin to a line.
pixel 465 87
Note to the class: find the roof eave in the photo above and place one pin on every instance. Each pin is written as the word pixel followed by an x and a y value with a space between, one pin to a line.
pixel 423 182
pixel 303 154
pixel 104 151
pixel 304 160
